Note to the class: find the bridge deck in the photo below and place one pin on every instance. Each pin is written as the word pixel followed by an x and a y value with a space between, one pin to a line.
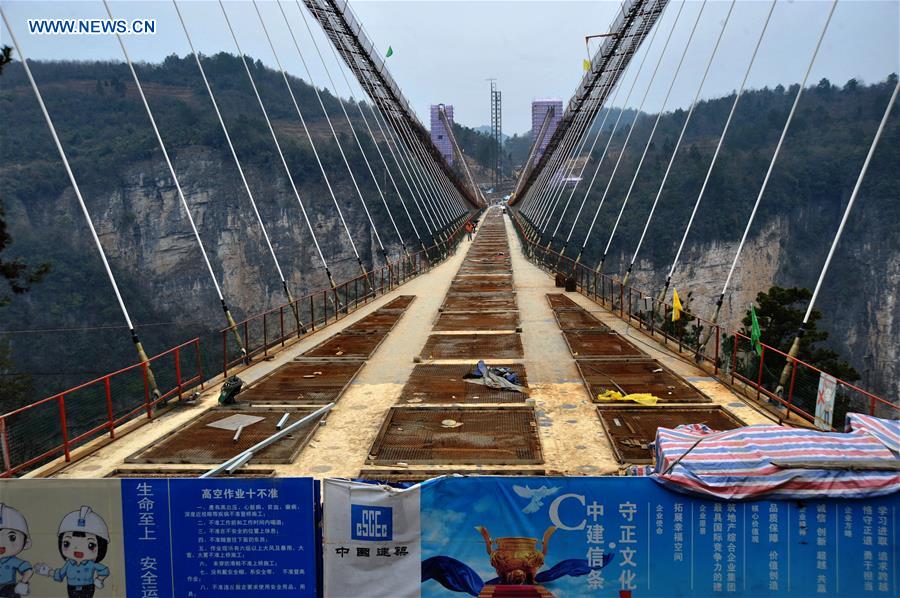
pixel 390 416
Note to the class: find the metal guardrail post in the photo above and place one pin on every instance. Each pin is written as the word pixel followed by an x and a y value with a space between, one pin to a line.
pixel 64 425
pixel 718 332
pixel 147 402
pixel 762 360
pixel 109 407
pixel 178 370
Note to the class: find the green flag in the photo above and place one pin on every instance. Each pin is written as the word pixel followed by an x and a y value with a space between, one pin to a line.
pixel 755 332
pixel 390 52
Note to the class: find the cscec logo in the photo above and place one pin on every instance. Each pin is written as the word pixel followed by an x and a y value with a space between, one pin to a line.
pixel 370 523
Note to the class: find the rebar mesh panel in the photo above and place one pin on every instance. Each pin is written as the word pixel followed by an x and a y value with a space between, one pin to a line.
pixel 478 320
pixel 473 346
pixel 401 302
pixel 196 442
pixel 348 344
pixel 481 287
pixel 186 473
pixel 418 475
pixel 484 278
pixel 579 319
pixel 417 435
pixel 632 429
pixel 478 301
pixel 559 301
pixel 629 376
pixel 376 321
pixel 444 384
pixel 306 382
pixel 589 343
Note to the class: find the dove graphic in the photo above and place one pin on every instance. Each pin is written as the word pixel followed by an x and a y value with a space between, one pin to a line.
pixel 536 495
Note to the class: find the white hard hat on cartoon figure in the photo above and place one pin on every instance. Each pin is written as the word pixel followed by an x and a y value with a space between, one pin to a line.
pixel 10 518
pixel 85 521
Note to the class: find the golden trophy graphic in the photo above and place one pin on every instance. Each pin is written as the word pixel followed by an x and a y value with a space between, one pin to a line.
pixel 516 560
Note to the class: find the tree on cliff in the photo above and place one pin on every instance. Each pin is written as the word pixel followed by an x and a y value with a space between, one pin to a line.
pixel 780 312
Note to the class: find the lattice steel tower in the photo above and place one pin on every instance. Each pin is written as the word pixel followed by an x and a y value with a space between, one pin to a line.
pixel 496 131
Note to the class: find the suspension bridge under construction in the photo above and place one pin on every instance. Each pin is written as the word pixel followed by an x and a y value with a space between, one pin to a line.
pixel 478 340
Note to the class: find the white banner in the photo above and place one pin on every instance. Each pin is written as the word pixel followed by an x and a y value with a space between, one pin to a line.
pixel 372 540
pixel 825 401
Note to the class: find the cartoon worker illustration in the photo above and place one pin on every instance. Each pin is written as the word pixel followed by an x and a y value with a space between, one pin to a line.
pixel 14 538
pixel 82 541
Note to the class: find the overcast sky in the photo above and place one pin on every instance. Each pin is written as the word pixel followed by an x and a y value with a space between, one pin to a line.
pixel 444 51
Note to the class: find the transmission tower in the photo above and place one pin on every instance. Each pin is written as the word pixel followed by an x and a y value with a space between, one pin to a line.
pixel 496 131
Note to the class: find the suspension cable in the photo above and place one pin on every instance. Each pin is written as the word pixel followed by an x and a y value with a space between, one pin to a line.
pixel 337 206
pixel 795 346
pixel 568 161
pixel 228 317
pixel 659 116
pixel 612 134
pixel 555 173
pixel 284 163
pixel 368 128
pixel 557 188
pixel 756 204
pixel 410 181
pixel 359 144
pixel 587 156
pixel 612 175
pixel 240 169
pixel 665 178
pixel 142 355
pixel 413 180
pixel 418 174
pixel 334 133
pixel 436 179
pixel 776 153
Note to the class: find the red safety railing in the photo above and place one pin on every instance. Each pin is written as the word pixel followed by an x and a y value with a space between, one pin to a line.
pixel 52 427
pixel 728 354
pixel 37 433
pixel 269 331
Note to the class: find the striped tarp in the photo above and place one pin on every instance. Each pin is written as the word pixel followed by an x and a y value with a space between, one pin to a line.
pixel 738 464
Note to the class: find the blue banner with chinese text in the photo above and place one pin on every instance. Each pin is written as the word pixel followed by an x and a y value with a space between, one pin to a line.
pixel 630 537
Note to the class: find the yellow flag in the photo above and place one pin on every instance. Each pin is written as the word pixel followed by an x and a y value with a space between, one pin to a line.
pixel 587 65
pixel 676 306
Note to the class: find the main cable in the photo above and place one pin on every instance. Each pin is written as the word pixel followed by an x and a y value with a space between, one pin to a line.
pixel 659 116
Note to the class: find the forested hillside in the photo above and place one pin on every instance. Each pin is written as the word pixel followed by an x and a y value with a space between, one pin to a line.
pixel 800 211
pixel 68 328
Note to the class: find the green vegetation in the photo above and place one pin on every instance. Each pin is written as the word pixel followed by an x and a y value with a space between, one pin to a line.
pixel 780 312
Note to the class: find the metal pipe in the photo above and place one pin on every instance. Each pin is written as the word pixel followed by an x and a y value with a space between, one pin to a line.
pixel 244 456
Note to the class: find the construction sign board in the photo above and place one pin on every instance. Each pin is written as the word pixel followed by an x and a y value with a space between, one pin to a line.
pixel 149 538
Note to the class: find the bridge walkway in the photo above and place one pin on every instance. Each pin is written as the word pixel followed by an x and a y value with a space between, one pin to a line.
pixel 572 440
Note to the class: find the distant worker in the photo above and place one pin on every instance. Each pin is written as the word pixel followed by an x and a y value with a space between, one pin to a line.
pixel 469 228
